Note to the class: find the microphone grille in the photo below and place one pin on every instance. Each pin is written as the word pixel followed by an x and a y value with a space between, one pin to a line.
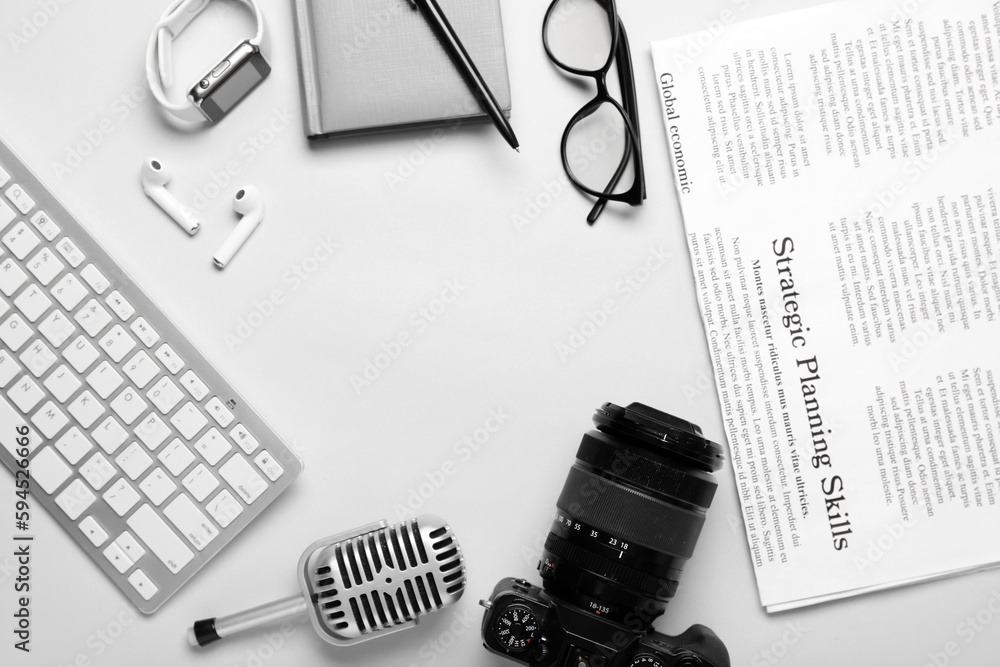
pixel 383 580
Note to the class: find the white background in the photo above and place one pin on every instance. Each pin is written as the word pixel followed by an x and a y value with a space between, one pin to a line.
pixel 452 217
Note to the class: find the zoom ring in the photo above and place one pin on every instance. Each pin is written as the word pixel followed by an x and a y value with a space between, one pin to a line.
pixel 621 574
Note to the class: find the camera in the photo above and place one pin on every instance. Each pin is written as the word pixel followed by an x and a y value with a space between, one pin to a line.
pixel 626 522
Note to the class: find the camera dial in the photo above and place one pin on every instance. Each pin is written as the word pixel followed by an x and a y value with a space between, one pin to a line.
pixel 516 627
pixel 646 661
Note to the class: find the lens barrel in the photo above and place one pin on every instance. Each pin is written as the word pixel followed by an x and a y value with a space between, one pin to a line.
pixel 630 513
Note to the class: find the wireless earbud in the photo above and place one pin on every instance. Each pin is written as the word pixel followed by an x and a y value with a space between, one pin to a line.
pixel 248 203
pixel 154 181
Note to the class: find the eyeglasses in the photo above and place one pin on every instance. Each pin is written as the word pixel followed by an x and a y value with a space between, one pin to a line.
pixel 601 150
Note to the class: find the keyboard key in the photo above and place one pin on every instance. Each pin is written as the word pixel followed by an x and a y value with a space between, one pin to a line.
pixel 141 583
pixel 189 421
pixel 271 468
pixel 118 558
pixel 194 386
pixel 15 332
pixel 165 396
pixel 45 266
pixel 21 199
pixel 116 343
pixel 212 446
pixel 169 359
pixel 104 379
pixel 224 508
pixel 97 471
pixel 122 308
pixel 191 523
pixel 4 307
pixel 93 531
pixel 9 368
pixel 57 328
pixel 141 369
pixel 33 303
pixel 157 486
pixel 152 431
pixel 93 318
pixel 69 291
pixel 75 499
pixel 20 240
pixel 161 540
pixel 11 277
pixel 121 497
pixel 219 411
pixel 10 420
pixel 110 435
pixel 45 225
pixel 25 394
pixel 130 546
pixel 244 439
pixel 200 482
pixel 4 177
pixel 38 358
pixel 95 279
pixel 49 420
pixel 176 457
pixel 62 383
pixel 48 470
pixel 134 461
pixel 86 409
pixel 241 476
pixel 68 249
pixel 147 334
pixel 129 405
pixel 7 214
pixel 81 354
pixel 73 445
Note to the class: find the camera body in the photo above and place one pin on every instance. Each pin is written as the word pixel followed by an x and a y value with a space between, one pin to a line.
pixel 526 625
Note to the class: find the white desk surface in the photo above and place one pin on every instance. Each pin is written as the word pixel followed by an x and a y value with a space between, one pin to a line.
pixel 79 81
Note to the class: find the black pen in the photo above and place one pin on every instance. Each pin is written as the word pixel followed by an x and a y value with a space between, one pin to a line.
pixel 449 40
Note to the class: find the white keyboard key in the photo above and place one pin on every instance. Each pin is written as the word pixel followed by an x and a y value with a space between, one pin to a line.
pixel 165 395
pixel 10 423
pixel 224 508
pixel 121 497
pixel 117 558
pixel 194 386
pixel 157 486
pixel 49 420
pixel 129 405
pixel 9 368
pixel 4 307
pixel 15 332
pixel 219 411
pixel 73 255
pixel 7 214
pixel 93 317
pixel 48 470
pixel 4 177
pixel 189 421
pixel 241 476
pixel 244 439
pixel 45 225
pixel 122 308
pixel 116 343
pixel 38 358
pixel 104 379
pixel 45 266
pixel 21 199
pixel 75 499
pixel 62 383
pixel 212 446
pixel 147 334
pixel 69 291
pixel 176 457
pixel 20 239
pixel 271 468
pixel 86 409
pixel 97 471
pixel 33 303
pixel 110 435
pixel 142 584
pixel 152 431
pixel 169 359
pixel 141 369
pixel 95 279
pixel 11 277
pixel 130 546
pixel 73 445
pixel 57 328
pixel 25 394
pixel 191 523
pixel 93 531
pixel 81 354
pixel 161 540
pixel 134 461
pixel 200 482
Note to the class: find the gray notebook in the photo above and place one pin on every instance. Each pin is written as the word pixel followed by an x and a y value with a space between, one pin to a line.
pixel 374 65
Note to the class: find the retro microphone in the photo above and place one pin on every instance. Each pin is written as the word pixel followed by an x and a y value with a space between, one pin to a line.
pixel 362 584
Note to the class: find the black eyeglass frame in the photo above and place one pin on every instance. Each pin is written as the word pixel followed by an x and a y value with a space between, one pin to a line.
pixel 620 54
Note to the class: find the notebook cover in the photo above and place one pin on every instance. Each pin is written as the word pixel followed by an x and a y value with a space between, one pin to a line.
pixel 374 65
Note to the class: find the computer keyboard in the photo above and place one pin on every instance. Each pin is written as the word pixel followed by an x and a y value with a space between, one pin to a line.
pixel 141 450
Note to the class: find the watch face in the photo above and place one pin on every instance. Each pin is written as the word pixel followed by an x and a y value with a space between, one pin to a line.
pixel 229 82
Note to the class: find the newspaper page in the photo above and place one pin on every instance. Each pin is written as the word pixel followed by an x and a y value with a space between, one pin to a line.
pixel 838 171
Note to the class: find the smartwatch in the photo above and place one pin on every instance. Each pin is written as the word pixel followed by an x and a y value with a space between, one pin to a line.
pixel 223 86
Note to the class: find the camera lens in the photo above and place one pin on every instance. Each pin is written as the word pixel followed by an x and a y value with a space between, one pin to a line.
pixel 630 513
